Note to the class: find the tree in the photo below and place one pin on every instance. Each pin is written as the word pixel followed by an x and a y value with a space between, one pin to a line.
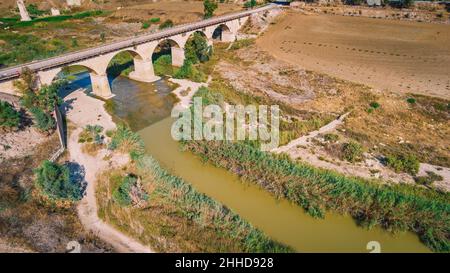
pixel 43 121
pixel 197 49
pixel 9 117
pixel 47 97
pixel 250 4
pixel 209 6
pixel 27 86
pixel 55 182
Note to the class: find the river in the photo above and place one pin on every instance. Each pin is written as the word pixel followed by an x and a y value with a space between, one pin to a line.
pixel 148 112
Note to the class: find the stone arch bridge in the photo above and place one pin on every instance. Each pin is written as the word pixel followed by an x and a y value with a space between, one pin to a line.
pixel 97 59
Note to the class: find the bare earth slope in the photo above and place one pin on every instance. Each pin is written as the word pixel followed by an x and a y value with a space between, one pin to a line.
pixel 401 56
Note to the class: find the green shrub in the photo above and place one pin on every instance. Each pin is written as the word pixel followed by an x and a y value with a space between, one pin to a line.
pixel 155 20
pixel 43 121
pixel 166 24
pixel 163 65
pixel 411 100
pixel 429 179
pixel 375 105
pixel 91 133
pixel 54 181
pixel 188 71
pixel 209 6
pixel 127 186
pixel 33 10
pixel 121 195
pixel 352 151
pixel 250 4
pixel 403 163
pixel 9 117
pixel 145 25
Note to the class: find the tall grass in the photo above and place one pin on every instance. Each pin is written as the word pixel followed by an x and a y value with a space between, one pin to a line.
pixel 194 205
pixel 393 207
pixel 206 211
pixel 125 140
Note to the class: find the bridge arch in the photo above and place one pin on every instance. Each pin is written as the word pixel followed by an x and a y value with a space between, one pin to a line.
pixel 80 76
pixel 122 60
pixel 223 33
pixel 46 77
pixel 170 46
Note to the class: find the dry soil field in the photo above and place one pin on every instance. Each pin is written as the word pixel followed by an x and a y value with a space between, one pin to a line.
pixel 401 56
pixel 177 10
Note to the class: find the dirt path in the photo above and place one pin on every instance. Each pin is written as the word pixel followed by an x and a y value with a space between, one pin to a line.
pixel 81 111
pixel 301 141
pixel 304 148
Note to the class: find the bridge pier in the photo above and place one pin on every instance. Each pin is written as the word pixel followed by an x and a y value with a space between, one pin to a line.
pixel 228 36
pixel 100 86
pixel 143 71
pixel 177 56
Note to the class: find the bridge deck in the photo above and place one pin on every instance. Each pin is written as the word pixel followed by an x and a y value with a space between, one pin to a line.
pixel 72 57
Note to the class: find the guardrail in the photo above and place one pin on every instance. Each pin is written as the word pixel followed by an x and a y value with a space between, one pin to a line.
pixel 72 57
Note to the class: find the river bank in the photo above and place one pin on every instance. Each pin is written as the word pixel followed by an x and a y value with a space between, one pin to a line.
pixel 82 110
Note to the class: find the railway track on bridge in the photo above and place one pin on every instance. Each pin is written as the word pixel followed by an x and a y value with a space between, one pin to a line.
pixel 72 57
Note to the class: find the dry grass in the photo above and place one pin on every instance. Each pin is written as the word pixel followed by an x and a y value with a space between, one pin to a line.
pixel 92 149
pixel 192 11
pixel 160 224
pixel 397 126
pixel 29 221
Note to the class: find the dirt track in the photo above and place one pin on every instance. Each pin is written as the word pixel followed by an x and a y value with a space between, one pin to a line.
pixel 399 56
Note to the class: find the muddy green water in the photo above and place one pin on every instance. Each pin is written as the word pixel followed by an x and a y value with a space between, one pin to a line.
pixel 141 106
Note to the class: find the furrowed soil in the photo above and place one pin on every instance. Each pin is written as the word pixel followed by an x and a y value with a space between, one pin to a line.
pixel 400 56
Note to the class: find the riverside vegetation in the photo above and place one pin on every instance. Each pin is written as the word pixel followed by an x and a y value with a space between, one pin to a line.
pixel 393 207
pixel 396 208
pixel 172 215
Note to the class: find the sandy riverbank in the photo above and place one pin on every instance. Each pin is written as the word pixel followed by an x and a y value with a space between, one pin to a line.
pixel 82 110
